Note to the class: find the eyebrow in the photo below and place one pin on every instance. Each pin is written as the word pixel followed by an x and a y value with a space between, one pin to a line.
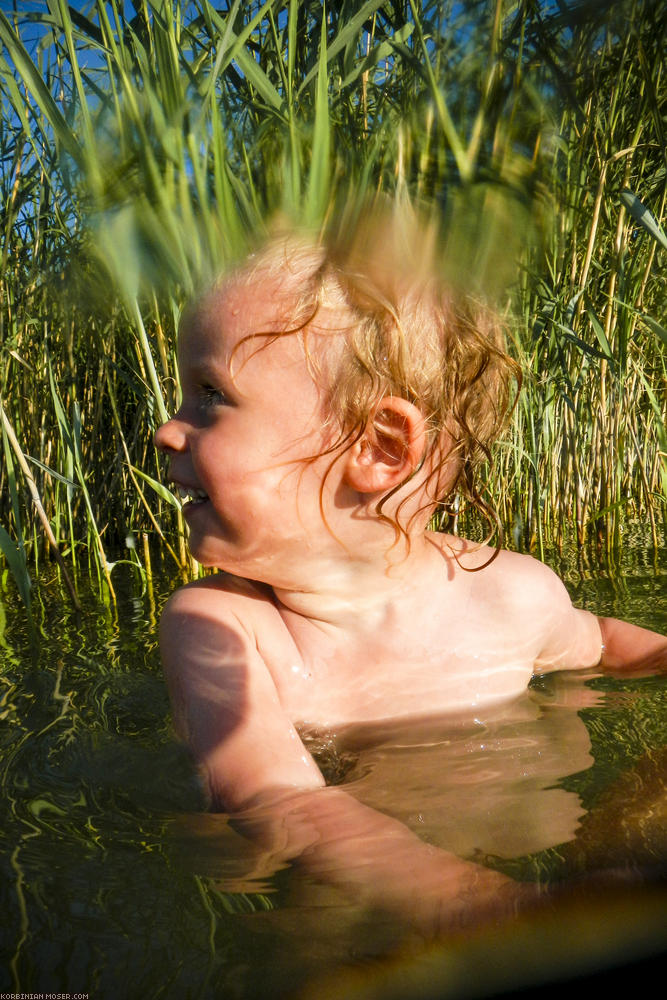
pixel 210 370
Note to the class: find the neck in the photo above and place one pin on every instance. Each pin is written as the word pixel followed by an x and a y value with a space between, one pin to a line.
pixel 362 593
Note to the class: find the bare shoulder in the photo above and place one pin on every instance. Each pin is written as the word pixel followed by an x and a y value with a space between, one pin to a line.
pixel 570 637
pixel 526 596
pixel 216 617
pixel 504 574
pixel 223 622
pixel 221 588
pixel 522 579
pixel 220 596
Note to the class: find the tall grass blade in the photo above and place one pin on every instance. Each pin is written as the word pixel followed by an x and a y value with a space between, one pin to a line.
pixel 318 190
pixel 15 556
pixel 641 214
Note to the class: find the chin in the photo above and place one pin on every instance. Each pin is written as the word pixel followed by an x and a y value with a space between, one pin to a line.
pixel 211 557
pixel 206 554
pixel 210 549
pixel 209 562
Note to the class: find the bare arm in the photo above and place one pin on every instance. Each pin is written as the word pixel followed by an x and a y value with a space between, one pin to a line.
pixel 224 703
pixel 378 862
pixel 575 639
pixel 628 648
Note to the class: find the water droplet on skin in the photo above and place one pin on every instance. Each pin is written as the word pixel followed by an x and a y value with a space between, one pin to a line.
pixel 296 669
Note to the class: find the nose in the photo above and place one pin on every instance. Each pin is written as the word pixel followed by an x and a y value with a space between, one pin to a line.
pixel 171 436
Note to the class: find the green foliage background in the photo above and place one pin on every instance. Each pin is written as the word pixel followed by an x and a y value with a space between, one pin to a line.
pixel 144 144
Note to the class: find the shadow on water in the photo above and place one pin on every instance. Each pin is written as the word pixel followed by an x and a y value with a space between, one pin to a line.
pixel 115 882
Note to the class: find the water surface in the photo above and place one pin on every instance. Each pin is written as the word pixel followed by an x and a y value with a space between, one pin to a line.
pixel 116 883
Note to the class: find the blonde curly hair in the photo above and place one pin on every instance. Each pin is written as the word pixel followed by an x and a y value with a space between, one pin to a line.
pixel 406 331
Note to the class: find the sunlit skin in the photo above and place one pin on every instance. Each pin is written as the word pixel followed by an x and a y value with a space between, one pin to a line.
pixel 316 619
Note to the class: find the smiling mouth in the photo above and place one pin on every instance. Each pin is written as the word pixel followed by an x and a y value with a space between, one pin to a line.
pixel 191 497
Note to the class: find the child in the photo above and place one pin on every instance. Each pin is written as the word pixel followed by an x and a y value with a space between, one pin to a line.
pixel 332 397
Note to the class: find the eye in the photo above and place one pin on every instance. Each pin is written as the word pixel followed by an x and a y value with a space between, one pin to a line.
pixel 210 397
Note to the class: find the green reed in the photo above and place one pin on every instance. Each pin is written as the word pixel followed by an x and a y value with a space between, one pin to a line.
pixel 595 298
pixel 145 147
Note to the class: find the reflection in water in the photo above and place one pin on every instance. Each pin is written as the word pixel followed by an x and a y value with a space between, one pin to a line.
pixel 486 790
pixel 489 787
pixel 628 826
pixel 474 788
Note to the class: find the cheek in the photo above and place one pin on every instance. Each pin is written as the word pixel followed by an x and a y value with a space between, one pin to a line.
pixel 319 482
pixel 222 452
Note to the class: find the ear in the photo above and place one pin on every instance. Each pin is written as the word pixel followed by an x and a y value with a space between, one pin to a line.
pixel 390 449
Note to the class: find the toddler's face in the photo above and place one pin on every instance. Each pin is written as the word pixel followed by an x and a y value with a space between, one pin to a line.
pixel 250 414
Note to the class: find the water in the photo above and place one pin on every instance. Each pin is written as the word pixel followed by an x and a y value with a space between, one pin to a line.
pixel 116 883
